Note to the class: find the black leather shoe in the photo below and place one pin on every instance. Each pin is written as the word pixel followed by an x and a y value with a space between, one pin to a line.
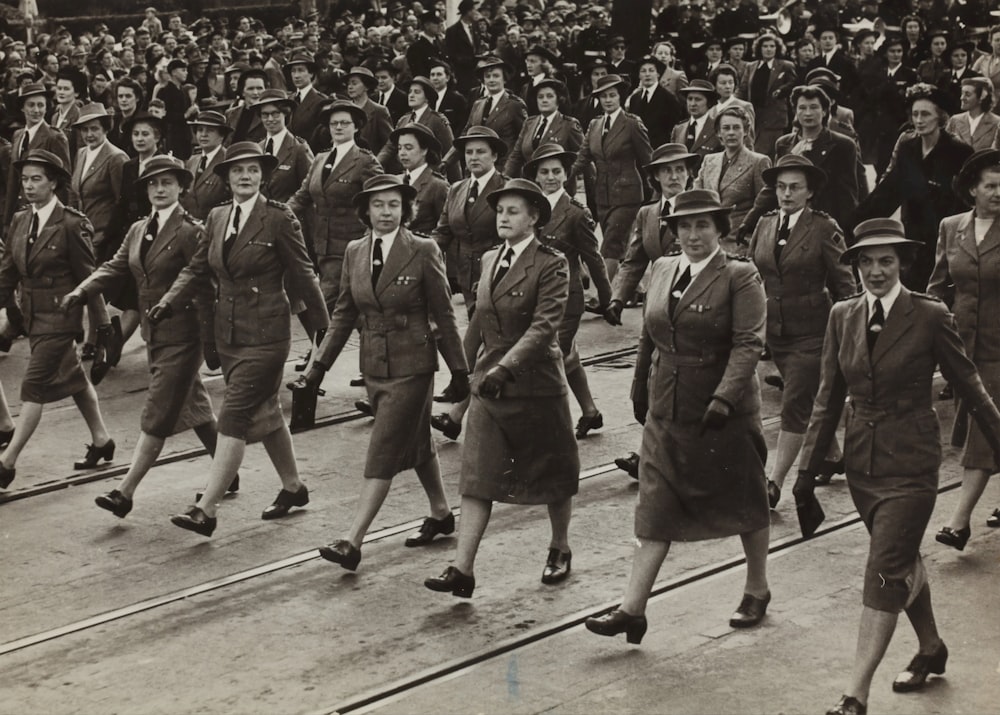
pixel 98 371
pixel 446 425
pixel 88 351
pixel 775 381
pixel 284 502
pixel 848 705
pixel 6 437
pixel 750 612
pixel 431 528
pixel 955 538
pixel 557 566
pixel 358 381
pixel 194 519
pixel 95 454
pixel 585 424
pixel 234 486
pixel 115 502
pixel 364 407
pixel 445 396
pixel 611 624
pixel 827 469
pixel 6 476
pixel 303 362
pixel 629 464
pixel 947 393
pixel 993 520
pixel 453 581
pixel 915 675
pixel 773 493
pixel 342 552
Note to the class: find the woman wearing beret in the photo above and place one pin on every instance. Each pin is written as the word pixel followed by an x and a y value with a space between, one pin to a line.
pixel 701 469
pixel 967 277
pixel 251 247
pixel 520 447
pixel 797 252
pixel 48 252
pixel 882 349
pixel 153 253
pixel 394 283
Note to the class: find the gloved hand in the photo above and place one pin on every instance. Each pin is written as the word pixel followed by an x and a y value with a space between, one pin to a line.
pixel 640 408
pixel 807 506
pixel 458 388
pixel 72 300
pixel 158 313
pixel 743 235
pixel 493 381
pixel 212 361
pixel 715 416
pixel 613 313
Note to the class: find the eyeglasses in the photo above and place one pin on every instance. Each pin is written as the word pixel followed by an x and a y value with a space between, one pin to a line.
pixel 270 115
pixel 341 122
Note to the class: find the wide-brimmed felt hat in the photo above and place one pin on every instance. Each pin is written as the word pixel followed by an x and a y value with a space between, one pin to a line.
pixel 530 191
pixel 491 61
pixel 696 202
pixel 429 91
pixel 427 138
pixel 242 151
pixel 544 52
pixel 90 112
pixel 277 97
pixel 877 232
pixel 607 82
pixel 968 175
pixel 40 156
pixel 550 150
pixel 383 182
pixel 236 67
pixel 817 177
pixel 660 66
pixel 550 83
pixel 164 164
pixel 364 74
pixel 31 89
pixel 483 134
pixel 211 118
pixel 302 58
pixel 702 86
pixel 344 105
pixel 668 154
pixel 145 118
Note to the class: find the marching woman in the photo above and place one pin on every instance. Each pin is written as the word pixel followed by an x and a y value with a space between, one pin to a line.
pixel 48 252
pixel 701 471
pixel 418 150
pixel 394 282
pixel 797 252
pixel 293 153
pixel 251 246
pixel 520 447
pixel 881 349
pixel 570 230
pixel 153 253
pixel 546 126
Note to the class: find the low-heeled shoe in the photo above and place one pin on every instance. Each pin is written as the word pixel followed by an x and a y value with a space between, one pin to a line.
pixel 194 519
pixel 303 362
pixel 431 528
pixel 827 469
pixel 234 486
pixel 775 381
pixel 364 407
pixel 452 581
pixel 848 705
pixel 629 464
pixel 6 476
pixel 585 424
pixel 446 425
pixel 750 611
pixel 955 538
pixel 915 675
pixel 95 454
pixel 342 552
pixel 115 502
pixel 358 381
pixel 993 520
pixel 611 624
pixel 773 493
pixel 284 502
pixel 557 566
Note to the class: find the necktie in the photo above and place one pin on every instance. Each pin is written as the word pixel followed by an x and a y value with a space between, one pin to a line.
pixel 488 107
pixel 203 164
pixel 725 168
pixel 413 117
pixel 376 262
pixel 33 229
pixel 381 98
pixel 269 146
pixel 783 232
pixel 328 166
pixel 536 140
pixel 24 145
pixel 227 246
pixel 298 97
pixel 152 228
pixel 607 127
pixel 664 226
pixel 875 325
pixel 503 267
pixel 406 178
pixel 690 135
pixel 678 290
pixel 646 96
pixel 473 193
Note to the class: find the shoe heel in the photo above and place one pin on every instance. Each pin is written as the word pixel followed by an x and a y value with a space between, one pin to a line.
pixel 635 631
pixel 464 591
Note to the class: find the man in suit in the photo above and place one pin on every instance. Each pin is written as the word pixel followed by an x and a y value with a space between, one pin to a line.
pixel 766 84
pixel 426 46
pixel 832 57
pixel 450 101
pixel 301 69
pixel 500 110
pixel 275 52
pixel 207 189
pixel 976 125
pixel 461 43
pixel 387 93
pixel 244 121
pixel 697 132
pixel 294 155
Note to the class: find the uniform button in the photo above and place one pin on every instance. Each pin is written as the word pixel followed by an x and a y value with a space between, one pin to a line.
pixel 777 299
pixel 675 372
pixel 872 425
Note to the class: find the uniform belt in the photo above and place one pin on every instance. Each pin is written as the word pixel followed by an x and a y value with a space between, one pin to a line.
pixel 678 360
pixel 891 408
pixel 399 321
pixel 44 282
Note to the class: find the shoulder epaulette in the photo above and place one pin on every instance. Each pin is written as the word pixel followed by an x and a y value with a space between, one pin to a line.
pixel 72 210
pixel 546 248
pixel 439 175
pixel 673 252
pixel 823 214
pixel 772 212
pixel 926 296
pixel 223 203
pixel 279 204
pixel 516 98
pixel 420 234
pixel 577 203
pixel 191 219
pixel 365 150
pixel 737 257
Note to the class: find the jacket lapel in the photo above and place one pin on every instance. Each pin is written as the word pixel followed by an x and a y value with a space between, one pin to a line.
pixel 252 225
pixel 518 271
pixel 736 170
pixel 399 258
pixel 967 236
pixel 482 204
pixel 97 163
pixel 700 283
pixel 46 233
pixel 165 235
pixel 559 214
pixel 798 233
pixel 991 241
pixel 345 165
pixel 617 128
pixel 897 323
pixel 857 328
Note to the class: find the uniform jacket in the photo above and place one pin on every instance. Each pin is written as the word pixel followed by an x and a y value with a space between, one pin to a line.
pixel 395 316
pixel 506 117
pixel 432 192
pixel 707 142
pixel 65 125
pixel 98 192
pixel 47 138
pixel 305 117
pixel 294 159
pixel 438 125
pixel 207 190
pixel 673 80
pixel 772 110
pixel 659 114
pixel 802 286
pixel 255 129
pixel 135 201
pixel 251 307
pixel 327 204
pixel 420 53
pixel 454 107
pixel 515 325
pixel 563 130
pixel 396 103
pixel 649 240
pixel 708 348
pixel 740 185
pixel 618 159
pixel 892 429
pixel 570 230
pixel 375 133
pixel 985 135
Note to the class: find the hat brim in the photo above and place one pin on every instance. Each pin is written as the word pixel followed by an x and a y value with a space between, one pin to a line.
pixel 39 93
pixel 409 193
pixel 224 128
pixel 699 90
pixel 497 143
pixel 360 115
pixel 817 177
pixel 183 175
pixel 566 158
pixel 105 119
pixel 610 85
pixel 723 210
pixel 848 256
pixel 508 70
pixel 535 198
pixel 431 141
pixel 370 82
pixel 288 104
pixel 21 163
pixel 268 163
pixel 663 161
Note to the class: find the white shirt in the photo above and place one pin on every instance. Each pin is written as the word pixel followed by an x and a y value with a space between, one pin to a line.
pixel 211 155
pixel 45 212
pixel 696 267
pixel 614 118
pixel 277 139
pixel 32 131
pixel 699 124
pixel 163 214
pixel 91 154
pixel 245 208
pixel 555 196
pixel 828 56
pixel 342 150
pixel 518 249
pixel 792 218
pixel 974 122
pixel 418 113
pixel 887 300
pixel 415 173
pixel 483 180
pixel 387 241
pixel 981 227
pixel 666 201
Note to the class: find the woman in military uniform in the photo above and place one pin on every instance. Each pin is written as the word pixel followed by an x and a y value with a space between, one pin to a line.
pixel 701 469
pixel 207 189
pixel 293 153
pixel 547 126
pixel 48 252
pixel 421 96
pixel 251 247
pixel 358 82
pixel 520 447
pixel 395 284
pixel 882 349
pixel 418 150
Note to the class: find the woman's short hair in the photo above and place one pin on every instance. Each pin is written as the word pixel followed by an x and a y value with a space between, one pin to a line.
pixel 808 91
pixel 721 70
pixel 433 158
pixel 733 111
pixel 407 216
pixel 779 45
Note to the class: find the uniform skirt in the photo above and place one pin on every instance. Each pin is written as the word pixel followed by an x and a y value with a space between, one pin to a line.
pixel 694 487
pixel 177 400
pixel 54 371
pixel 401 435
pixel 520 450
pixel 978 453
pixel 896 511
pixel 798 362
pixel 250 408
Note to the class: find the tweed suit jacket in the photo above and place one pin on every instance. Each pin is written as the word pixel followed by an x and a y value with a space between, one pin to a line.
pixel 207 190
pixel 305 117
pixel 328 204
pixel 294 160
pixel 740 185
pixel 396 314
pixel 47 138
pixel 438 125
pixel 516 323
pixel 649 240
pixel 892 429
pixel 65 125
pixel 375 133
pixel 772 109
pixel 98 192
pixel 618 159
pixel 432 192
pixel 563 130
pixel 985 136
pixel 570 230
pixel 809 276
pixel 714 110
pixel 251 307
pixel 707 142
pixel 673 80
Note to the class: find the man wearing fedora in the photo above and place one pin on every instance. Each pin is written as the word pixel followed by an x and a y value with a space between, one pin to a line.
pixel 426 46
pixel 207 188
pixel 462 43
pixel 301 69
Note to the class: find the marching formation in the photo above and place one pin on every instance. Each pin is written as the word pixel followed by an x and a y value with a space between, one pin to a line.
pixel 366 171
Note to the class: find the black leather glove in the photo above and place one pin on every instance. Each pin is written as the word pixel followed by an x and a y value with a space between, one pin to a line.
pixel 743 235
pixel 212 361
pixel 715 416
pixel 613 313
pixel 493 381
pixel 72 300
pixel 640 409
pixel 807 506
pixel 158 313
pixel 458 388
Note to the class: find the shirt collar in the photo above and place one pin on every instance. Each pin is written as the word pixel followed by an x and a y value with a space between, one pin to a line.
pixel 485 179
pixel 555 196
pixel 246 207
pixel 793 218
pixel 887 300
pixel 387 241
pixel 418 113
pixel 614 115
pixel 344 148
pixel 211 155
pixel 93 152
pixel 33 130
pixel 165 214
pixel 278 139
pixel 696 267
pixel 518 249
pixel 415 173
pixel 45 212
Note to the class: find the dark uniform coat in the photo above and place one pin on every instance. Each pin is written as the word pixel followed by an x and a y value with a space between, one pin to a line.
pixel 305 117
pixel 772 107
pixel 506 117
pixel 562 130
pixel 47 138
pixel 438 125
pixel 428 206
pixel 375 133
pixel 651 239
pixel 660 113
pixel 253 132
pixel 706 142
pixel 294 159
pixel 454 107
pixel 570 230
pixel 208 189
